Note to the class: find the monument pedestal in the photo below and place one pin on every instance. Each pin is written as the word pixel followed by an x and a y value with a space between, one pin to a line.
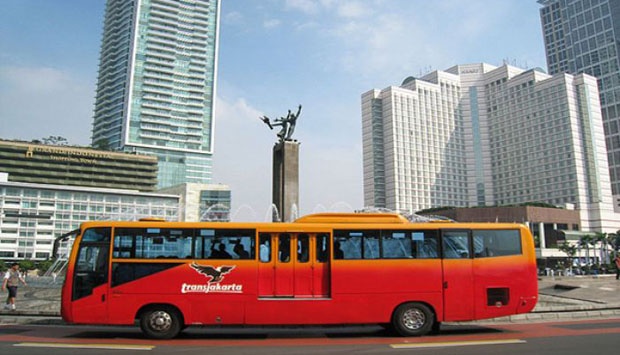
pixel 286 178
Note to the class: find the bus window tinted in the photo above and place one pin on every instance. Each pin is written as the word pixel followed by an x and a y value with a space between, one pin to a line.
pixel 284 248
pixel 265 248
pixel 490 243
pixel 226 243
pixel 322 248
pixel 425 244
pixel 455 244
pixel 385 244
pixel 396 244
pixel 303 248
pixel 168 243
pixel 97 235
pixel 356 244
pixel 153 243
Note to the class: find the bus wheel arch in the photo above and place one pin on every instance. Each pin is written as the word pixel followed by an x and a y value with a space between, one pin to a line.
pixel 414 319
pixel 160 321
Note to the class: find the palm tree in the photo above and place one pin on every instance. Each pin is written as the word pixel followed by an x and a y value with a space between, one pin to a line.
pixel 585 242
pixel 600 238
pixel 570 250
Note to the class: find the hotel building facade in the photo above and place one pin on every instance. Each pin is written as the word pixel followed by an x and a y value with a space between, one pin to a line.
pixel 480 135
pixel 156 86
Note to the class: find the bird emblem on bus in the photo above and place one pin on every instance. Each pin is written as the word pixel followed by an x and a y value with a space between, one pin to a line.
pixel 216 273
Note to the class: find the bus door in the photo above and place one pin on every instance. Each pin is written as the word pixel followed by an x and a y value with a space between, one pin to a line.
pixel 276 267
pixel 89 297
pixel 311 265
pixel 320 243
pixel 266 266
pixel 294 265
pixel 458 291
pixel 284 266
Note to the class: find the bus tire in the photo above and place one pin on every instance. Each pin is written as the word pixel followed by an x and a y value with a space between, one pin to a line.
pixel 413 319
pixel 161 322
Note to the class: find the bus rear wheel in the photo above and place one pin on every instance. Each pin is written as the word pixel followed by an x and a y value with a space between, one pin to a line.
pixel 413 319
pixel 161 322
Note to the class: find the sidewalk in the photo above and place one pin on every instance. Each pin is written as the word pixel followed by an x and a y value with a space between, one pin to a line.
pixel 560 298
pixel 572 297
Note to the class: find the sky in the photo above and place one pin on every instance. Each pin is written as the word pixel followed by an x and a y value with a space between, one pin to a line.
pixel 273 56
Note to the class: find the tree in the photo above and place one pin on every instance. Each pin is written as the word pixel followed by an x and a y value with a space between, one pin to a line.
pixel 102 144
pixel 44 265
pixel 585 242
pixel 26 265
pixel 571 251
pixel 52 140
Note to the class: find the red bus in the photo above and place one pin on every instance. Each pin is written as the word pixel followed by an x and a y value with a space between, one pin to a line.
pixel 321 269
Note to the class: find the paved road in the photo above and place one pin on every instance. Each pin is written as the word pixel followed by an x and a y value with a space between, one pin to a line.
pixel 582 337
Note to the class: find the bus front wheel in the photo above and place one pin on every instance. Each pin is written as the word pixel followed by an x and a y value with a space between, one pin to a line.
pixel 160 322
pixel 413 319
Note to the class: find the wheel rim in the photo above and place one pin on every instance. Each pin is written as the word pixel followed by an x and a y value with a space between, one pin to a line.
pixel 414 318
pixel 160 321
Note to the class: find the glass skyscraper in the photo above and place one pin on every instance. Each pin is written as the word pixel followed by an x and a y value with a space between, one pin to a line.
pixel 156 86
pixel 583 36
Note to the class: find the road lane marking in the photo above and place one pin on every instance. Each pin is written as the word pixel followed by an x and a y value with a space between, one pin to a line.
pixel 457 343
pixel 86 346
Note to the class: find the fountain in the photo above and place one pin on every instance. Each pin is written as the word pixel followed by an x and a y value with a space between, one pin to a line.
pixel 294 213
pixel 272 214
pixel 218 212
pixel 341 206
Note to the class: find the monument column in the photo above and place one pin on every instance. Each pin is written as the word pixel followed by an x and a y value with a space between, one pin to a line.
pixel 285 185
pixel 285 188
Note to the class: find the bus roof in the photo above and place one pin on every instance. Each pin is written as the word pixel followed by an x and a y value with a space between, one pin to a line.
pixel 346 218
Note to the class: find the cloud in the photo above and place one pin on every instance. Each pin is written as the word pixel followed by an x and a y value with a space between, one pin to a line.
pixel 272 23
pixel 375 40
pixel 353 9
pixel 44 101
pixel 307 6
pixel 233 17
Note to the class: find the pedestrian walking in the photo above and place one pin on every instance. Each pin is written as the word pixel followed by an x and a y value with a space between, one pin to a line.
pixel 617 261
pixel 12 278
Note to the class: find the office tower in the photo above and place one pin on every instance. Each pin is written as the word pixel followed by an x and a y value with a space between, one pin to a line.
pixel 582 36
pixel 156 86
pixel 479 135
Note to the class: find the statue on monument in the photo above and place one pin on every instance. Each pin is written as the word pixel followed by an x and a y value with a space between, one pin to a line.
pixel 287 123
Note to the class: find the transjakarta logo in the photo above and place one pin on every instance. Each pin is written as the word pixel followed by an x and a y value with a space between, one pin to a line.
pixel 215 275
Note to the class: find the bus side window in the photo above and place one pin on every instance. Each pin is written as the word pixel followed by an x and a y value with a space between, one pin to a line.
pixel 322 248
pixel 284 248
pixel 396 244
pixel 241 247
pixel 303 248
pixel 425 245
pixel 371 245
pixel 491 243
pixel 455 245
pixel 198 247
pixel 348 244
pixel 265 248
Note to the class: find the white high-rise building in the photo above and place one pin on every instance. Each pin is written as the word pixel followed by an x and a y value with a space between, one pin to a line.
pixel 156 86
pixel 480 135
